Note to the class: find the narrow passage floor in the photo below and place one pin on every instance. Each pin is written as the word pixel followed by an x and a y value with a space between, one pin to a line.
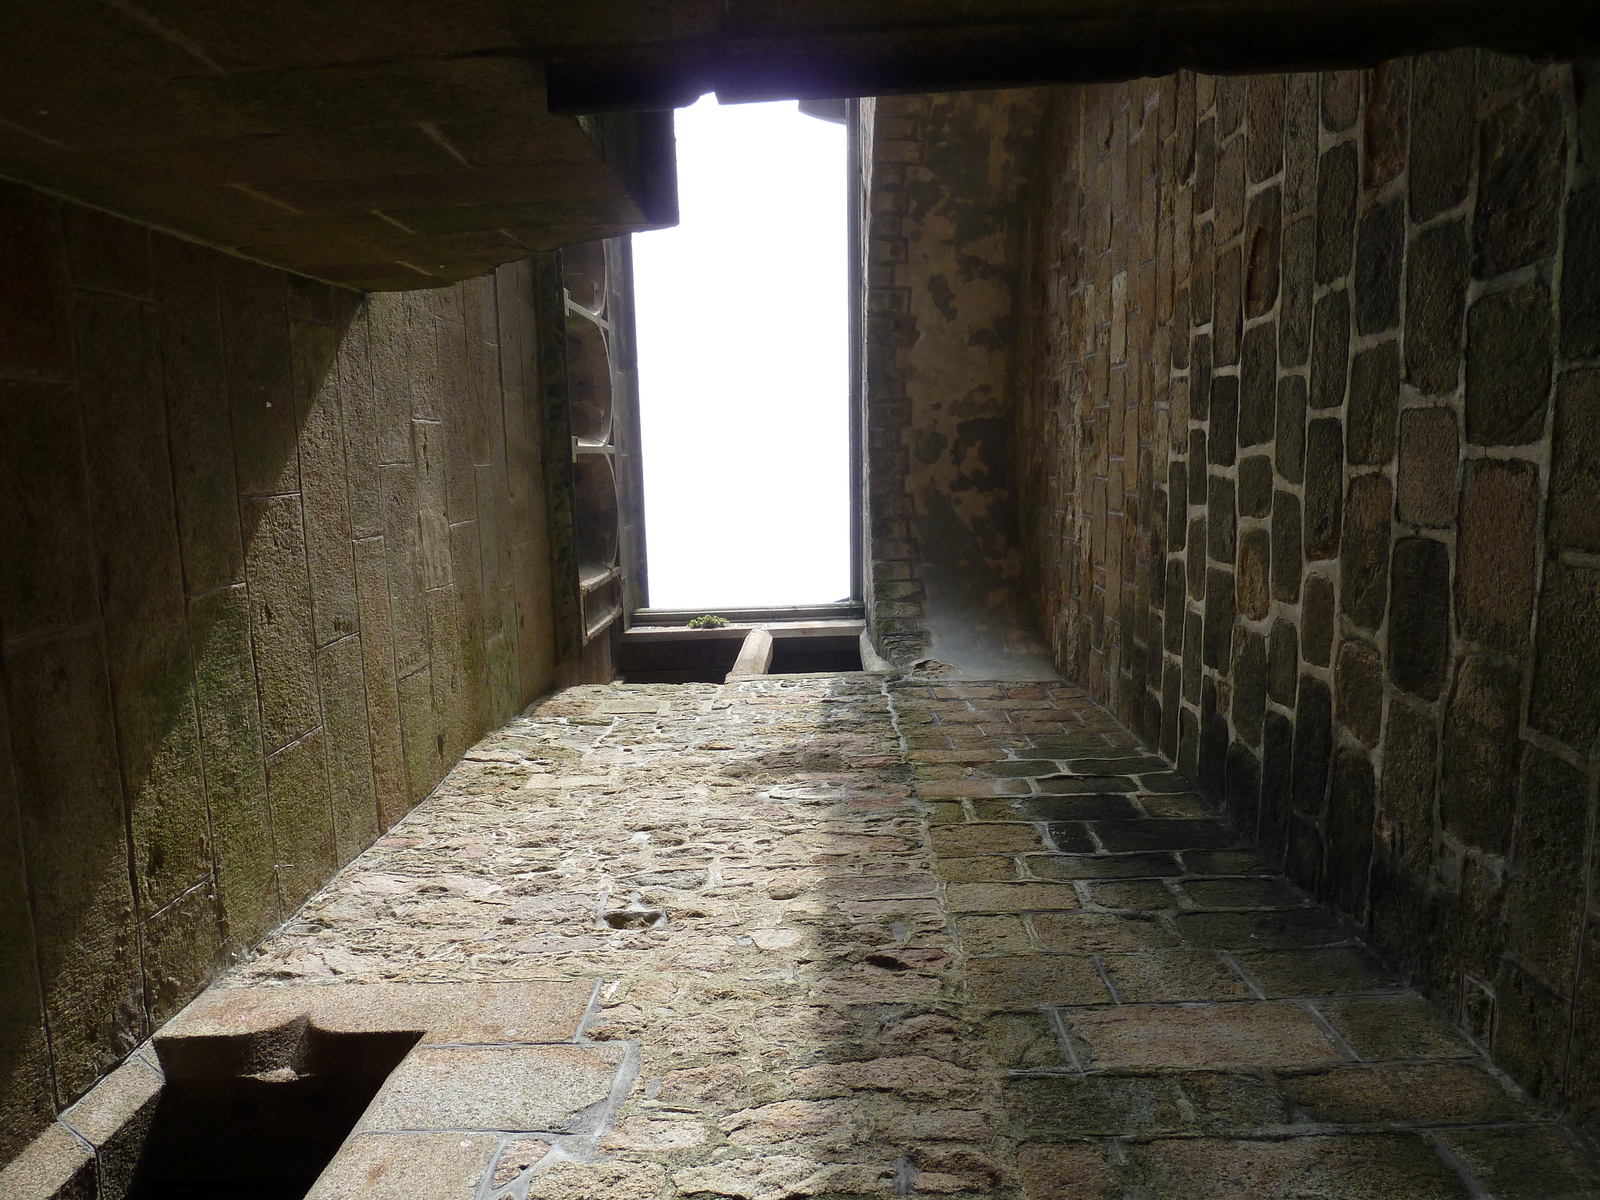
pixel 862 936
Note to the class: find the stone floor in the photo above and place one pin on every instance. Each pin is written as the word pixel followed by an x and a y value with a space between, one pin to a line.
pixel 853 936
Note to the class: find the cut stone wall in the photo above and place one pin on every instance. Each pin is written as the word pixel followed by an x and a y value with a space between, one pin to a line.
pixel 1312 447
pixel 945 253
pixel 272 557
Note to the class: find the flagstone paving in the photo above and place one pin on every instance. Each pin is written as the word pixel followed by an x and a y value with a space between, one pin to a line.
pixel 862 935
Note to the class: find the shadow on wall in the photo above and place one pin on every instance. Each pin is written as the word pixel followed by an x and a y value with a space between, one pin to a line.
pixel 271 557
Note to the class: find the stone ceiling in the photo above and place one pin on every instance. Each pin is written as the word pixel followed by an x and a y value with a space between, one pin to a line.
pixel 409 144
pixel 383 147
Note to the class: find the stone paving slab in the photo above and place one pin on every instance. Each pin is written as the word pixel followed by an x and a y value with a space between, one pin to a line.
pixel 861 936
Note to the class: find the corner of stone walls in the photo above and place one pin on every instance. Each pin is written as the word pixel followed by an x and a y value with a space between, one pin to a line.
pixel 1317 456
pixel 896 595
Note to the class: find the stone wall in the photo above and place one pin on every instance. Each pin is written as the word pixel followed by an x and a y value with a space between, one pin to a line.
pixel 271 557
pixel 1312 457
pixel 945 250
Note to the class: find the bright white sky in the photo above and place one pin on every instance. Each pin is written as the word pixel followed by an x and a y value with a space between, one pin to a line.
pixel 743 364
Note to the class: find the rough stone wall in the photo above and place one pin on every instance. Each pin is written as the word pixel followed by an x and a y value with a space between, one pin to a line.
pixel 945 247
pixel 271 557
pixel 1312 447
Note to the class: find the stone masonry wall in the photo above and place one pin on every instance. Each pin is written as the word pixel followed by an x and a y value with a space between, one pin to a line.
pixel 945 245
pixel 271 557
pixel 1312 467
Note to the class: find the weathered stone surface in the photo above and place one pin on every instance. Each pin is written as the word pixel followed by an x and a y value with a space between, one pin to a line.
pixel 1394 1027
pixel 1574 503
pixel 421 739
pixel 346 722
pixel 281 619
pixel 141 585
pixel 26 1105
pixel 1249 685
pixel 1477 793
pixel 1419 615
pixel 1530 1019
pixel 1372 1165
pixel 260 379
pixel 1330 350
pixel 1336 211
pixel 1545 1162
pixel 1341 99
pixel 1565 702
pixel 236 786
pixel 1386 120
pixel 390 780
pixel 1324 488
pixel 1442 118
pixel 194 376
pixel 1317 620
pixel 1520 184
pixel 1294 310
pixel 1374 404
pixel 1410 747
pixel 115 1119
pixel 57 1163
pixel 1286 549
pixel 535 1088
pixel 1580 269
pixel 1258 385
pixel 1380 250
pixel 182 951
pixel 47 545
pixel 1283 662
pixel 1263 252
pixel 1254 593
pixel 1289 440
pixel 1140 1037
pixel 1224 419
pixel 1222 522
pixel 1229 312
pixel 302 822
pixel 1351 808
pixel 396 1165
pixel 1432 1093
pixel 133 582
pixel 1066 1171
pixel 1544 896
pixel 1436 300
pixel 1495 553
pixel 1217 639
pixel 69 795
pixel 1313 744
pixel 707 996
pixel 1364 551
pixel 1265 109
pixel 1508 366
pixel 1426 475
pixel 1192 635
pixel 324 499
pixel 1359 680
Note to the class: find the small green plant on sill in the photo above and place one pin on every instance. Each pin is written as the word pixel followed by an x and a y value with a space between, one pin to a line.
pixel 709 621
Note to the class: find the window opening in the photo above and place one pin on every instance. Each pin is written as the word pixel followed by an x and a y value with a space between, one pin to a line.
pixel 743 352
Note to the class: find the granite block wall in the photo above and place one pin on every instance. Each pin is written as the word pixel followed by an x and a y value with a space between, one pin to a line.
pixel 272 556
pixel 1310 452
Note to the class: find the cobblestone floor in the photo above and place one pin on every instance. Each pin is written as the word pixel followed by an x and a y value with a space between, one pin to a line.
pixel 868 937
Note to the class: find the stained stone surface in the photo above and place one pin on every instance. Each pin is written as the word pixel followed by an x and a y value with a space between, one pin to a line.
pixel 832 923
